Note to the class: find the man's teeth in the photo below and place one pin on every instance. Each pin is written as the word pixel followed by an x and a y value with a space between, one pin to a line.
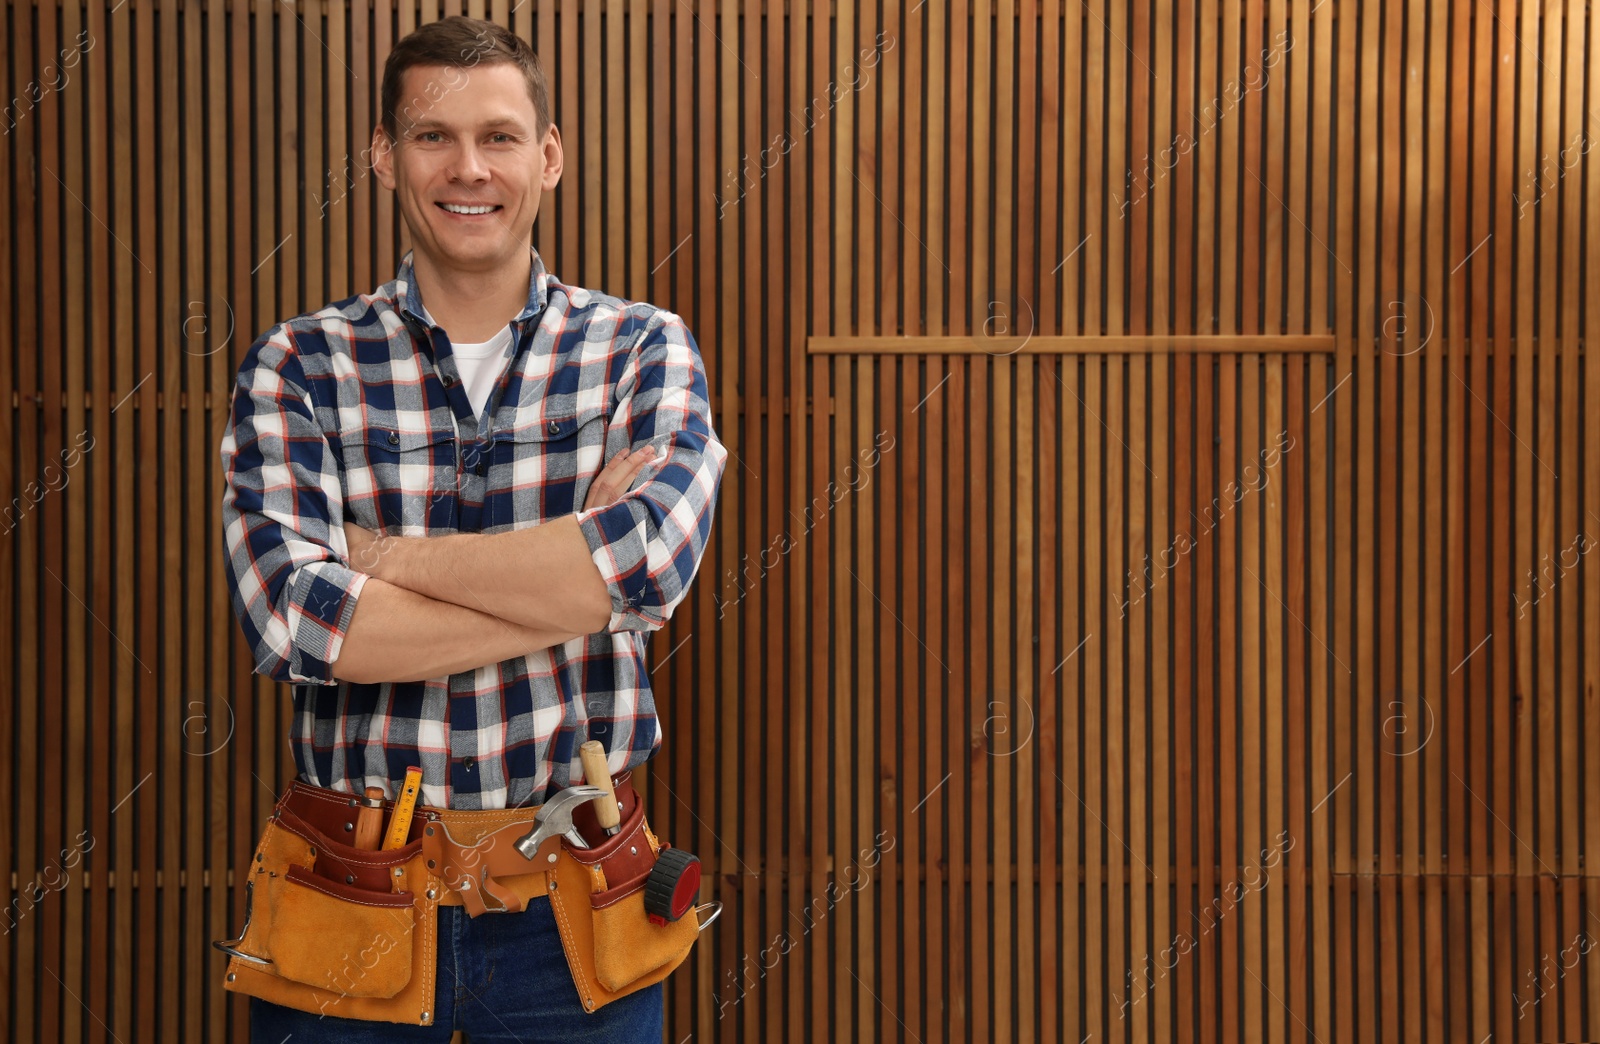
pixel 455 209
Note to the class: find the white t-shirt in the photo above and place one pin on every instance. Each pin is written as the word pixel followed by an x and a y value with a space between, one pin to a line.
pixel 479 365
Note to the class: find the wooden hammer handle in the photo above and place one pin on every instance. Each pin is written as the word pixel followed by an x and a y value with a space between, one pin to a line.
pixel 596 773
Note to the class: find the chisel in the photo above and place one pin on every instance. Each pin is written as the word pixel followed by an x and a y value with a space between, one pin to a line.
pixel 369 820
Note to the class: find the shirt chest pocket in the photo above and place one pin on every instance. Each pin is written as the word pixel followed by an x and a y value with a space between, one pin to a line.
pixel 541 471
pixel 403 482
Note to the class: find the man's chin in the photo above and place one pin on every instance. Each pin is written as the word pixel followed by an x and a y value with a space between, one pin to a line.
pixel 468 253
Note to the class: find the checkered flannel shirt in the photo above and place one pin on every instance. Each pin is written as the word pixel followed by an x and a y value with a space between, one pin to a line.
pixel 358 412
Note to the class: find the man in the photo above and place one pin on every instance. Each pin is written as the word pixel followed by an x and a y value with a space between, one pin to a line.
pixel 405 542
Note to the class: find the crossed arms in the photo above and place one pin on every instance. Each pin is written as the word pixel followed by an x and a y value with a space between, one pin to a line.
pixel 322 600
pixel 435 605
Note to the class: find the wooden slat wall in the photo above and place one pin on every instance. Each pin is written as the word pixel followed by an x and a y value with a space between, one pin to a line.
pixel 1030 296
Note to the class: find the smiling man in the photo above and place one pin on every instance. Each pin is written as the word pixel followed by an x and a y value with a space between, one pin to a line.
pixel 455 509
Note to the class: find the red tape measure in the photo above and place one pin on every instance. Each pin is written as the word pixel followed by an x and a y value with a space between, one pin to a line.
pixel 673 883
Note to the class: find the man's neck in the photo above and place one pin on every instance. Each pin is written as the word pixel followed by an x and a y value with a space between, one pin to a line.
pixel 473 306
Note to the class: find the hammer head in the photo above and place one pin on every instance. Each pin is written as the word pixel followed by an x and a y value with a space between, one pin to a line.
pixel 555 817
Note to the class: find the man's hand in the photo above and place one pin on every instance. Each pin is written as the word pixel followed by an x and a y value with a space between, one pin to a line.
pixel 617 477
pixel 368 549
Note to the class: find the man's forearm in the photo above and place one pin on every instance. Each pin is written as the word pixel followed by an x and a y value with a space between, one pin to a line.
pixel 399 635
pixel 541 577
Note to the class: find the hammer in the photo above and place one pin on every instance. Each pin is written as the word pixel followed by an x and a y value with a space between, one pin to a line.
pixel 554 819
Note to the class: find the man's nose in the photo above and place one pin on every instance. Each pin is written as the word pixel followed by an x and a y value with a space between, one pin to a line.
pixel 470 164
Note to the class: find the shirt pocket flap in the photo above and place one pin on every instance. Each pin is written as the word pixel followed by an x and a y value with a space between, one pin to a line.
pixel 555 425
pixel 392 440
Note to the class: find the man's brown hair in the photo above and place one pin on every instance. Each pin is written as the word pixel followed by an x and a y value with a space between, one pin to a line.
pixel 460 42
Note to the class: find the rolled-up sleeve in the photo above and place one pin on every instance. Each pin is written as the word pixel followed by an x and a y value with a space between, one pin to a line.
pixel 283 518
pixel 648 543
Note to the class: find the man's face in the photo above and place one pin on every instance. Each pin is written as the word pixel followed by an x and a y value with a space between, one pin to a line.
pixel 466 142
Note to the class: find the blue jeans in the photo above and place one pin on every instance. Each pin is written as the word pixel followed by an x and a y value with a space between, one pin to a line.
pixel 503 979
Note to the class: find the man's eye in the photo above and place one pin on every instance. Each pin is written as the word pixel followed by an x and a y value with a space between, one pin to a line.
pixel 429 135
pixel 502 138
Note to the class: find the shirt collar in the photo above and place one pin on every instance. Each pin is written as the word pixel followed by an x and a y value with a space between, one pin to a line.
pixel 409 295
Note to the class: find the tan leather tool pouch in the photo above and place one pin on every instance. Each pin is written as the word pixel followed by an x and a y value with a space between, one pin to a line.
pixel 333 929
pixel 597 895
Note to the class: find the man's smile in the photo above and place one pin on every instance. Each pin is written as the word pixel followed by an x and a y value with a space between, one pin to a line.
pixel 469 211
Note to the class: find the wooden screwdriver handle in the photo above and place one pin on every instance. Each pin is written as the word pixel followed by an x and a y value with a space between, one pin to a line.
pixel 596 773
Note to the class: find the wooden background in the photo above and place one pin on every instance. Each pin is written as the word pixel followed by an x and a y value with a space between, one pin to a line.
pixel 1210 655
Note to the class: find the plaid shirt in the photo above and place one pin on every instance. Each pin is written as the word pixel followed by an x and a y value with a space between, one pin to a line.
pixel 358 412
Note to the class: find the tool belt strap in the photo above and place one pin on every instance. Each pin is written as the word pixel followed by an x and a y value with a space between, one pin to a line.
pixel 474 853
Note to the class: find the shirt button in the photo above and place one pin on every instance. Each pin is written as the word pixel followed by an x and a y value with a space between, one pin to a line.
pixel 555 427
pixel 448 380
pixel 467 763
pixel 394 438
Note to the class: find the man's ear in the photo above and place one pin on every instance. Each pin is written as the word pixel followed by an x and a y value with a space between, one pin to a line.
pixel 383 157
pixel 554 158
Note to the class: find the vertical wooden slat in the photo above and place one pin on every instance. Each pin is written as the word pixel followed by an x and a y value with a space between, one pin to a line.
pixel 820 285
pixel 204 743
pixel 1072 667
pixel 956 793
pixel 1425 735
pixel 1010 933
pixel 801 800
pixel 1075 1022
pixel 1152 560
pixel 160 430
pixel 1179 555
pixel 904 256
pixel 999 270
pixel 57 1015
pixel 1277 593
pixel 1092 196
pixel 240 806
pixel 1590 331
pixel 1207 693
pixel 1053 891
pixel 1229 691
pixel 1571 534
pixel 1129 813
pixel 1161 697
pixel 116 458
pixel 26 981
pixel 939 875
pixel 61 926
pixel 1088 787
pixel 1461 719
pixel 11 485
pixel 1252 543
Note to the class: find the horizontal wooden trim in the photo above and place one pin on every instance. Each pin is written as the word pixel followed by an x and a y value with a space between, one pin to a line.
pixel 86 881
pixel 704 9
pixel 56 401
pixel 1120 345
pixel 920 871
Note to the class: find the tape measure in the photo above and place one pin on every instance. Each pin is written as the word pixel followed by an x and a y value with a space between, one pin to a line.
pixel 673 883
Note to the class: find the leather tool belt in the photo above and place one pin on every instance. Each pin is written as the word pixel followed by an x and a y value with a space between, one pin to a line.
pixel 353 932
